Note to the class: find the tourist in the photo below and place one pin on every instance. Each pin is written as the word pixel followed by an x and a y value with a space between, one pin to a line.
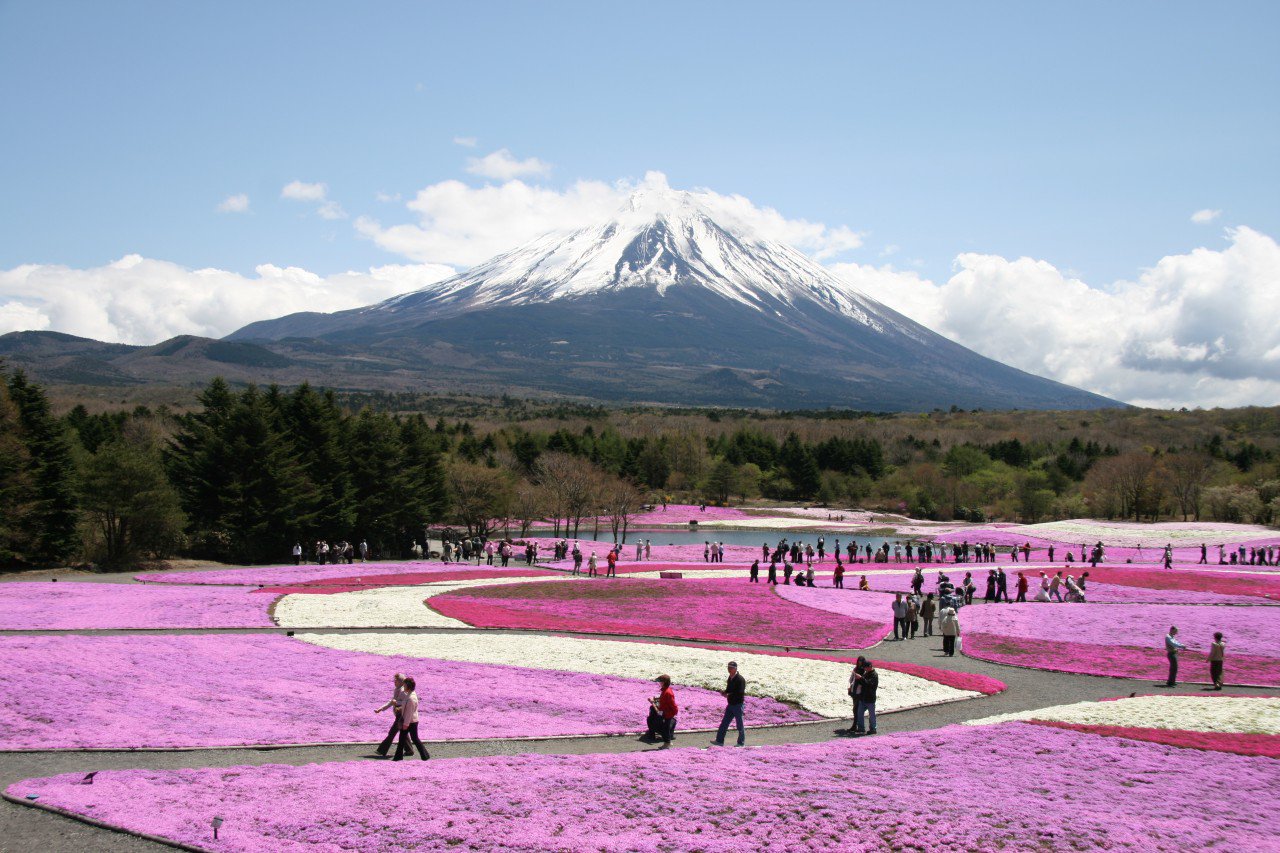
pixel 1002 586
pixel 913 617
pixel 639 550
pixel 949 625
pixel 398 696
pixel 1043 594
pixel 1217 655
pixel 899 616
pixel 855 693
pixel 734 693
pixel 786 573
pixel 1055 584
pixel 837 575
pixel 1026 552
pixel 591 565
pixel 706 552
pixel 808 575
pixel 611 560
pixel 297 553
pixel 364 550
pixel 867 699
pixel 1171 648
pixel 648 547
pixel 1074 592
pixel 773 574
pixel 577 559
pixel 1168 556
pixel 969 587
pixel 409 724
pixel 755 572
pixel 928 608
pixel 1022 587
pixel 863 586
pixel 1204 555
pixel 1051 552
pixel 917 581
pixel 990 596
pixel 665 703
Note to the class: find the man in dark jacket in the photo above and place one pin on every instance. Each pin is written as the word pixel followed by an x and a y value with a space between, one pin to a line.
pixel 734 693
pixel 870 681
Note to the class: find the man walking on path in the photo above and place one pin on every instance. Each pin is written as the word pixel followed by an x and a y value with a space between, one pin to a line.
pixel 395 702
pixel 1172 647
pixel 1002 586
pixel 734 693
pixel 949 624
pixel 927 610
pixel 899 617
pixel 1217 654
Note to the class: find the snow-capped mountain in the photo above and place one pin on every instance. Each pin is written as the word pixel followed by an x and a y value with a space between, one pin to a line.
pixel 665 301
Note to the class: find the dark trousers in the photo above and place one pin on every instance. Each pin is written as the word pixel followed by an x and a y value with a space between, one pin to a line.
pixel 667 729
pixel 948 645
pixel 403 748
pixel 928 627
pixel 391 736
pixel 732 714
pixel 1215 672
pixel 1173 670
pixel 1022 595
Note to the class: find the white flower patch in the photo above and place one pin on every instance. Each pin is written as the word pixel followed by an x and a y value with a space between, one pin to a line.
pixel 815 685
pixel 384 607
pixel 1147 535
pixel 1226 714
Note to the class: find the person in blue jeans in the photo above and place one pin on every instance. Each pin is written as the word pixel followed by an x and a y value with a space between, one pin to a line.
pixel 734 693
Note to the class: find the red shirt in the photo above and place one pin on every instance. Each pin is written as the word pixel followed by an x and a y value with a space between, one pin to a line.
pixel 667 704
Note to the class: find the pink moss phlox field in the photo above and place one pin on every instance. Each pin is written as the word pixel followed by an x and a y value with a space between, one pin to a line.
pixel 72 606
pixel 984 684
pixel 292 575
pixel 166 691
pixel 1267 746
pixel 684 513
pixel 1116 660
pixel 354 583
pixel 1239 585
pixel 1125 640
pixel 721 610
pixel 1040 788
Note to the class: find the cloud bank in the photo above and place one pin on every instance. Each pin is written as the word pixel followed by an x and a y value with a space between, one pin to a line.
pixel 1194 329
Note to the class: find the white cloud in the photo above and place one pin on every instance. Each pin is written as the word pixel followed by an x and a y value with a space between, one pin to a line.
pixel 1204 217
pixel 463 225
pixel 142 301
pixel 1194 329
pixel 386 198
pixel 502 165
pixel 891 249
pixel 301 191
pixel 238 203
pixel 331 210
pixel 465 141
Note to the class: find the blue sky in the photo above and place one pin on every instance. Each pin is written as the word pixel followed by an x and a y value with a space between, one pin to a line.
pixel 1084 135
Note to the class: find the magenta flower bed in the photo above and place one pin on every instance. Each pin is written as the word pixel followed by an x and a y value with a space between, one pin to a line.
pixel 166 691
pixel 722 610
pixel 983 684
pixel 71 606
pixel 1238 743
pixel 1036 787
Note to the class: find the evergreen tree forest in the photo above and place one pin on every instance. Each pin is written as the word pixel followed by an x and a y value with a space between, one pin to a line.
pixel 246 472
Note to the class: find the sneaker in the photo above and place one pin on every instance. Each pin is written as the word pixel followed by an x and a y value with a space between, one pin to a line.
pixel 739 744
pixel 717 743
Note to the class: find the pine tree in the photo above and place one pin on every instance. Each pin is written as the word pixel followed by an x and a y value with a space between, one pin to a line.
pixel 314 424
pixel 199 462
pixel 383 484
pixel 53 516
pixel 134 509
pixel 17 500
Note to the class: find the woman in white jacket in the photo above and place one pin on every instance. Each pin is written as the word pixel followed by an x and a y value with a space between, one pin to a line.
pixel 409 724
pixel 950 627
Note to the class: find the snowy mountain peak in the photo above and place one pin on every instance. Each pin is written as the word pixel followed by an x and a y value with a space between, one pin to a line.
pixel 660 238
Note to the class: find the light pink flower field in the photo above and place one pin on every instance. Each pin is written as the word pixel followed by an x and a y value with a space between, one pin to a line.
pixel 1013 786
pixel 70 606
pixel 165 691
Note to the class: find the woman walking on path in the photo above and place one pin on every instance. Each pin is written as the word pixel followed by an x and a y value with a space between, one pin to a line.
pixel 1217 655
pixel 409 724
pixel 950 626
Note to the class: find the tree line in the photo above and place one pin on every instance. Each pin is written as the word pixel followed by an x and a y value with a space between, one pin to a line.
pixel 249 471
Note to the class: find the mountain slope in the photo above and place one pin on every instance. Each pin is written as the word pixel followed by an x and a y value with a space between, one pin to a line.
pixel 664 303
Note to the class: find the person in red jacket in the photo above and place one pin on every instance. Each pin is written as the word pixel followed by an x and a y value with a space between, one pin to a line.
pixel 612 560
pixel 1022 587
pixel 665 703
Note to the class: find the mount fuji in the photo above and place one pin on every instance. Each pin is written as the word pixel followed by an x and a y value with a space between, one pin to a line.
pixel 664 302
